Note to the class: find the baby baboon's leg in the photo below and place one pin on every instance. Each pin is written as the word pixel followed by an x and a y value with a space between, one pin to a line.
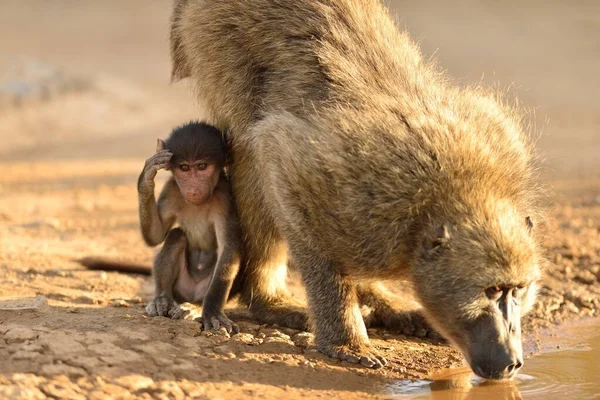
pixel 264 254
pixel 386 314
pixel 167 265
pixel 338 325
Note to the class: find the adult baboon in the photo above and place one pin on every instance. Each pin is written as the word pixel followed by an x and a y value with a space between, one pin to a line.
pixel 360 158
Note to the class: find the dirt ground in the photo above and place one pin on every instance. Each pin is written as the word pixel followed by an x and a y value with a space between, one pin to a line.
pixel 84 94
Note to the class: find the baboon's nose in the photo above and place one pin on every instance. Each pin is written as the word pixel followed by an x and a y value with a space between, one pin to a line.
pixel 500 369
pixel 512 369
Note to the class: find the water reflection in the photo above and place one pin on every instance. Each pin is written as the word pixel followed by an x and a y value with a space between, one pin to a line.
pixel 572 373
pixel 456 384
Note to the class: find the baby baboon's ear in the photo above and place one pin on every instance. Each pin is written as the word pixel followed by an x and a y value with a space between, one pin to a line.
pixel 529 223
pixel 160 145
pixel 436 239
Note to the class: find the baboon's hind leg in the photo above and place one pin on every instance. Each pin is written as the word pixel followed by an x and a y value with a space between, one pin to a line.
pixel 264 254
pixel 265 291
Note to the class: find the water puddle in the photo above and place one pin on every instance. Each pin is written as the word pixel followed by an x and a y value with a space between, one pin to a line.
pixel 569 372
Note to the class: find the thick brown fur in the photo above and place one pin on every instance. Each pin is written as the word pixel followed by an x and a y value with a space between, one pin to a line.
pixel 361 158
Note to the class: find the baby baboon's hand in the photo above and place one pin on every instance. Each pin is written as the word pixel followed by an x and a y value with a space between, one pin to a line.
pixel 212 319
pixel 160 160
pixel 160 306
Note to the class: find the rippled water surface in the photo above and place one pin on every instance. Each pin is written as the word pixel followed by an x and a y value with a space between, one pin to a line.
pixel 571 372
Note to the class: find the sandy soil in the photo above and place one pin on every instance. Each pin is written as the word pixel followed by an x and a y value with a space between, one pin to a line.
pixel 83 97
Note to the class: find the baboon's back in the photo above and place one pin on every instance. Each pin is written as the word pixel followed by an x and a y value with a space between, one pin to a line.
pixel 249 56
pixel 344 66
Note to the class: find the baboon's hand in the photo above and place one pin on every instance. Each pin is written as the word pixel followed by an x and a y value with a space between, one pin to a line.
pixel 366 355
pixel 160 306
pixel 213 319
pixel 160 160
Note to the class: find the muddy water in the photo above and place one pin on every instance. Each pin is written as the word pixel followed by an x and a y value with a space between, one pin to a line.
pixel 571 370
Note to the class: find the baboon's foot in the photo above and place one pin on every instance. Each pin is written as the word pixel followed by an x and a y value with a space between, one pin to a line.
pixel 282 311
pixel 160 306
pixel 186 311
pixel 409 323
pixel 366 355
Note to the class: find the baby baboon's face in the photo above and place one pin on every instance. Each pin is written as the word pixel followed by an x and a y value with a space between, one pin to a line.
pixel 196 179
pixel 475 293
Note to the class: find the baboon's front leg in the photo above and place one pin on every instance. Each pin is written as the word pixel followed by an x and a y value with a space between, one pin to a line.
pixel 338 325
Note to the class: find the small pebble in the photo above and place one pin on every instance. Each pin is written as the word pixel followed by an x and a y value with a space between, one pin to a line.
pixel 119 304
pixel 303 339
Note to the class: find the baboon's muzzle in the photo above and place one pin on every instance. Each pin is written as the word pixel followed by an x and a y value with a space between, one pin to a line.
pixel 495 350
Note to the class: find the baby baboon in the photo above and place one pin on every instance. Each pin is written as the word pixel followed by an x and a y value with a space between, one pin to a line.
pixel 359 157
pixel 199 259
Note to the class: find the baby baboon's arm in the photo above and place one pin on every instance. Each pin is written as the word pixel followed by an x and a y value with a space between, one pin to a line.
pixel 155 219
pixel 226 270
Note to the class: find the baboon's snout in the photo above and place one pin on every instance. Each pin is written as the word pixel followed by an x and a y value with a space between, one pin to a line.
pixel 496 351
pixel 500 366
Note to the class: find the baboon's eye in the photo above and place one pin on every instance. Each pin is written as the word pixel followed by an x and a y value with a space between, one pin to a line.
pixel 184 167
pixel 493 292
pixel 202 166
pixel 518 291
pixel 529 223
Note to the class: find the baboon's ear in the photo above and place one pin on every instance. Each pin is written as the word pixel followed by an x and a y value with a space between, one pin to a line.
pixel 529 223
pixel 442 236
pixel 160 145
pixel 437 239
pixel 227 138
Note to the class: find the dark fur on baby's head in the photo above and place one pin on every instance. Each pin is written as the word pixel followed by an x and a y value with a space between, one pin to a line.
pixel 197 141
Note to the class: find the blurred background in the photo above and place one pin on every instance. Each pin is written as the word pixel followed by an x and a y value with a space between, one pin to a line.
pixel 90 79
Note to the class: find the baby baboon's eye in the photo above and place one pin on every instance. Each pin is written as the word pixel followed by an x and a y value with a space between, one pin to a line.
pixel 184 167
pixel 493 292
pixel 202 166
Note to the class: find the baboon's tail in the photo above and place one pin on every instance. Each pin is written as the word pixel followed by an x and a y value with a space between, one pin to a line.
pixel 105 264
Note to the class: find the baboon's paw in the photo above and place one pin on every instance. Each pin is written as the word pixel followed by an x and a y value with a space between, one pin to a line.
pixel 412 324
pixel 186 311
pixel 366 356
pixel 409 323
pixel 160 306
pixel 212 319
pixel 295 320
